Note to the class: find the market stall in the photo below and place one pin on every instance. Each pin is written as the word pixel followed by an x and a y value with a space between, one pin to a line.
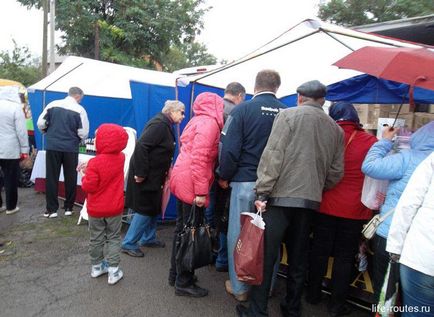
pixel 39 172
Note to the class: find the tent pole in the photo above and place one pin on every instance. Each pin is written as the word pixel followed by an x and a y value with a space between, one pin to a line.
pixel 63 75
pixel 339 41
pixel 192 99
pixel 43 107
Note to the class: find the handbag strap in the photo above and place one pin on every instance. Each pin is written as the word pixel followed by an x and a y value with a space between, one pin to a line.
pixel 351 138
pixel 387 214
pixel 196 216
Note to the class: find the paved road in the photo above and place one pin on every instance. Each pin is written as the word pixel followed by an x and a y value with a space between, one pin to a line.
pixel 48 274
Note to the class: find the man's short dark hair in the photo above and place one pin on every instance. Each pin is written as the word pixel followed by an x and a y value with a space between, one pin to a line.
pixel 75 91
pixel 267 80
pixel 235 89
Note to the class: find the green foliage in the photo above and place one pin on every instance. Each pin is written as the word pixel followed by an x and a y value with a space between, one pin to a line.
pixel 18 65
pixel 187 55
pixel 132 32
pixel 357 12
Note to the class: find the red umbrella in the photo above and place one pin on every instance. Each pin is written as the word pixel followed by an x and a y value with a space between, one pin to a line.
pixel 412 66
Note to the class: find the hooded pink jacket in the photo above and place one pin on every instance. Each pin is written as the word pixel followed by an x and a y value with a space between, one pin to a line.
pixel 193 173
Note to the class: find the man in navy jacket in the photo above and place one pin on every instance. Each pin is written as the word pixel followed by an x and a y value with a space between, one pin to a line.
pixel 243 139
pixel 64 123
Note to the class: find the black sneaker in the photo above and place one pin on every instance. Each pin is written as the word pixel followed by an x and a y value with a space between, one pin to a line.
pixel 68 212
pixel 137 253
pixel 191 291
pixel 242 311
pixel 47 214
pixel 155 244
pixel 172 280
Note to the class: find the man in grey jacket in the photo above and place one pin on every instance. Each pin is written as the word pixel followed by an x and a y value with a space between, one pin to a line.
pixel 303 157
pixel 14 144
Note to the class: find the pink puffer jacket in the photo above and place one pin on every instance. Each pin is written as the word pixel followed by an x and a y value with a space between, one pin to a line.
pixel 193 173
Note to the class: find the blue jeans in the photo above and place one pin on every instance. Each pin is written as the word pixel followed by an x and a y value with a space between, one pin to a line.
pixel 417 292
pixel 222 256
pixel 209 211
pixel 242 200
pixel 142 231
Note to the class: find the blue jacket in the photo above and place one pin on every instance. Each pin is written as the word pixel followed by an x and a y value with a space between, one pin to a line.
pixel 65 124
pixel 245 135
pixel 397 168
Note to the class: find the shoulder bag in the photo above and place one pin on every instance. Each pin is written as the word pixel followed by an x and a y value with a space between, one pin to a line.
pixel 370 228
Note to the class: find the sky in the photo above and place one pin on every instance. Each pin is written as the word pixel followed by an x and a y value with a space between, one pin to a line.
pixel 232 28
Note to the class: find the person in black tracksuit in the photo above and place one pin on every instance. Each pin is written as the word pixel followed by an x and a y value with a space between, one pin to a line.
pixel 64 123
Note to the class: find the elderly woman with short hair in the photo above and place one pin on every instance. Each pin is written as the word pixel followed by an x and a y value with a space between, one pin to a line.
pixel 148 170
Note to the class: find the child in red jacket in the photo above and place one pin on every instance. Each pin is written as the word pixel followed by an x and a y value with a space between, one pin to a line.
pixel 103 182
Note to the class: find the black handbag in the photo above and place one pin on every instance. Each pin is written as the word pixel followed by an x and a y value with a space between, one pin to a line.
pixel 193 243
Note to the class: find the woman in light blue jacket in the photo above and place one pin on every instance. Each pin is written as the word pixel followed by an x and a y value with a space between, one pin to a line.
pixel 397 168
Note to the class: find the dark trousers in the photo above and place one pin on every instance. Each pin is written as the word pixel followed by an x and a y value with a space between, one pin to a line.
pixel 380 262
pixel 291 225
pixel 10 170
pixel 184 278
pixel 337 237
pixel 54 162
pixel 221 213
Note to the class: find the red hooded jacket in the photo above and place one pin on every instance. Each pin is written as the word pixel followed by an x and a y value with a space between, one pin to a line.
pixel 104 178
pixel 193 173
pixel 343 200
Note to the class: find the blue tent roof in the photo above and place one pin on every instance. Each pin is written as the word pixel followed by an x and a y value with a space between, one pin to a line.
pixel 369 89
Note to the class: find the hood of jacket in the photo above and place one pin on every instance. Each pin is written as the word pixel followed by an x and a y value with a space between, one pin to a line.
pixel 423 138
pixel 211 105
pixel 110 138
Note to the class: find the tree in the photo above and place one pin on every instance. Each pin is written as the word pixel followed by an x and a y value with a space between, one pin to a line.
pixel 357 12
pixel 133 32
pixel 188 55
pixel 18 65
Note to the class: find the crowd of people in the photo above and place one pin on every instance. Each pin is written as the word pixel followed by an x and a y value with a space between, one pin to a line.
pixel 303 168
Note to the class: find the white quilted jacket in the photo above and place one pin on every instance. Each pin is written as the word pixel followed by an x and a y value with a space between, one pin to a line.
pixel 412 230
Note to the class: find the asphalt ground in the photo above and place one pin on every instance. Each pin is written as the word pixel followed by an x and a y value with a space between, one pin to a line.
pixel 45 271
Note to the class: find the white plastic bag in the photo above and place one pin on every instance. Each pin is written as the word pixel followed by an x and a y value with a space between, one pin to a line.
pixel 374 192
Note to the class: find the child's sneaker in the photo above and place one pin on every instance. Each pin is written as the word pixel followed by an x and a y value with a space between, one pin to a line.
pixel 99 269
pixel 114 275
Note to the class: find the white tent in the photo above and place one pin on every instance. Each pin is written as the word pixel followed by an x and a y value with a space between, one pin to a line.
pixel 304 52
pixel 107 90
pixel 98 78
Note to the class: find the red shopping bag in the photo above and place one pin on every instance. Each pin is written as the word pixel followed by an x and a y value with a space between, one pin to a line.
pixel 249 251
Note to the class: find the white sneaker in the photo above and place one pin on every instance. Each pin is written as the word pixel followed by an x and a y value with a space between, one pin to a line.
pixel 114 275
pixel 11 212
pixel 2 208
pixel 53 215
pixel 99 269
pixel 68 212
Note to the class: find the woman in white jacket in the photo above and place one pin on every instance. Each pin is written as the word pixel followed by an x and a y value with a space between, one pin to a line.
pixel 411 239
pixel 13 144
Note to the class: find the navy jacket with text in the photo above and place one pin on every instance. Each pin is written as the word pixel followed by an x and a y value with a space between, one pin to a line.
pixel 245 135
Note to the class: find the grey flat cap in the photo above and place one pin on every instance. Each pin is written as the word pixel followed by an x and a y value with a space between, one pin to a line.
pixel 312 89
